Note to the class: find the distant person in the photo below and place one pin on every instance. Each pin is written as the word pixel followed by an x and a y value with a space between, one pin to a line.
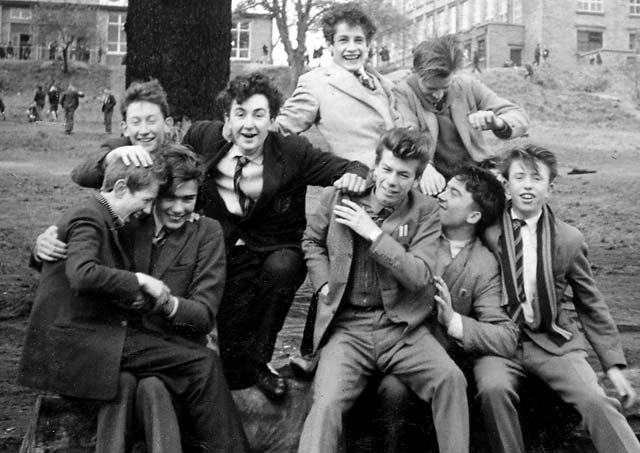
pixel 70 101
pixel 455 109
pixel 32 112
pixel 40 98
pixel 384 54
pixel 108 104
pixel 54 100
pixel 545 55
pixel 598 59
pixel 2 109
pixel 9 50
pixel 3 52
pixel 536 55
pixel 542 257
pixel 53 47
pixel 265 54
pixel 475 62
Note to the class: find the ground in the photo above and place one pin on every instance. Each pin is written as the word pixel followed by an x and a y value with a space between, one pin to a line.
pixel 587 131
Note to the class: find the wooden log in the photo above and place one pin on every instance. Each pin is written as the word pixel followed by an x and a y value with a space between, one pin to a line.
pixel 65 425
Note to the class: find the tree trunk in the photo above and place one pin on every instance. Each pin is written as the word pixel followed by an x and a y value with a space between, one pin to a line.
pixel 65 59
pixel 186 48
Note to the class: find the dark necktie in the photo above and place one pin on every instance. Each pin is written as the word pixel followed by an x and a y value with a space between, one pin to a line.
pixel 517 314
pixel 382 215
pixel 245 201
pixel 366 80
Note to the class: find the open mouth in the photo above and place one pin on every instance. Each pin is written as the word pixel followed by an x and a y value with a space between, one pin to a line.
pixel 351 57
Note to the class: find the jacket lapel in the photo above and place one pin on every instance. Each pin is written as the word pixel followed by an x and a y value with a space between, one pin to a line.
pixel 143 235
pixel 170 250
pixel 272 174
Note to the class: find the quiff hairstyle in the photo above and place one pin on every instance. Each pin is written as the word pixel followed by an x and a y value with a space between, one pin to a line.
pixel 438 57
pixel 243 87
pixel 150 91
pixel 182 165
pixel 486 192
pixel 407 144
pixel 352 14
pixel 532 156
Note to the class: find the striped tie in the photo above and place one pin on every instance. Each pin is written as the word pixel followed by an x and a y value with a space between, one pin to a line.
pixel 517 314
pixel 245 201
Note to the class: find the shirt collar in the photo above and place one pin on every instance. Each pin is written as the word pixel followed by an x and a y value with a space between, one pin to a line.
pixel 257 159
pixel 119 221
pixel 531 222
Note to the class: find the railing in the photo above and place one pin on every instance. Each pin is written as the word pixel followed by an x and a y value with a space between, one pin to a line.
pixel 29 52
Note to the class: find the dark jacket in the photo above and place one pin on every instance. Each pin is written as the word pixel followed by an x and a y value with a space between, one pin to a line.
pixel 109 103
pixel 277 219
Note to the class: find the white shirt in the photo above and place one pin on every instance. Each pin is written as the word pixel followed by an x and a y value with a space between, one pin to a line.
pixel 250 183
pixel 528 232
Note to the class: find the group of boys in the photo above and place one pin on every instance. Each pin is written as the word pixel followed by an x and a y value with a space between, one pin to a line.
pixel 402 279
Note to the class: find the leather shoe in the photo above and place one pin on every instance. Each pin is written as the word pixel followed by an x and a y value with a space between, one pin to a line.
pixel 272 385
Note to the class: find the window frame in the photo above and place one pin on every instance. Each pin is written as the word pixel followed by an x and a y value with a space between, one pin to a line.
pixel 590 6
pixel 120 44
pixel 236 32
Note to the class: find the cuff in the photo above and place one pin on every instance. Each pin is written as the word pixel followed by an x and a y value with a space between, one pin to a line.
pixel 504 132
pixel 455 327
pixel 174 310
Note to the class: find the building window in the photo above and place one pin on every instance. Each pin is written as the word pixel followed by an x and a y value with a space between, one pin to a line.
pixel 502 10
pixel 482 49
pixel 589 40
pixel 441 23
pixel 478 11
pixel 453 19
pixel 634 41
pixel 490 10
pixel 429 26
pixel 465 13
pixel 634 7
pixel 591 6
pixel 240 34
pixel 116 39
pixel 517 11
pixel 20 13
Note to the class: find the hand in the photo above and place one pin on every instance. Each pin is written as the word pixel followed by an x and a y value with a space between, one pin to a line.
pixel 625 390
pixel 432 181
pixel 351 183
pixel 153 287
pixel 130 155
pixel 355 217
pixel 49 247
pixel 485 120
pixel 443 302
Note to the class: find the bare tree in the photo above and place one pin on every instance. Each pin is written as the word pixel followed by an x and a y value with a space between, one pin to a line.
pixel 65 23
pixel 295 18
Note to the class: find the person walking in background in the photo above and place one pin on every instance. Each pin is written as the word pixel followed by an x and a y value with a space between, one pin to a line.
pixel 475 62
pixel 2 109
pixel 108 104
pixel 40 97
pixel 54 100
pixel 536 55
pixel 70 102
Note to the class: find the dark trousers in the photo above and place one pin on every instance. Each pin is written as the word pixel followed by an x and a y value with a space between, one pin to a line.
pixel 193 376
pixel 108 116
pixel 259 290
pixel 68 120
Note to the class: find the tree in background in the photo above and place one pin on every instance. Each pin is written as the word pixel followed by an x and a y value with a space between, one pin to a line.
pixel 66 24
pixel 187 48
pixel 295 18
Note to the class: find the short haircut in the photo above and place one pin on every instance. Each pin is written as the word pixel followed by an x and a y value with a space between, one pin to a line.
pixel 150 91
pixel 182 165
pixel 532 156
pixel 137 178
pixel 242 87
pixel 486 191
pixel 352 14
pixel 437 57
pixel 406 144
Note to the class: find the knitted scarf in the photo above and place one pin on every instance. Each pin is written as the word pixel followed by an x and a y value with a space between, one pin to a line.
pixel 547 306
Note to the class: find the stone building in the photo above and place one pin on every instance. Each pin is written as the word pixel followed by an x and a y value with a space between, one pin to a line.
pixel 502 31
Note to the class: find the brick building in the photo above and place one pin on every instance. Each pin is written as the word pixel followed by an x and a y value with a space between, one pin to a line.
pixel 573 32
pixel 250 32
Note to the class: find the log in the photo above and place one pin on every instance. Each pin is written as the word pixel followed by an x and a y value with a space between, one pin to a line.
pixel 66 425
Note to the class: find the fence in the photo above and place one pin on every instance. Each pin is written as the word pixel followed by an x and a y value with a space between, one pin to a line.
pixel 29 52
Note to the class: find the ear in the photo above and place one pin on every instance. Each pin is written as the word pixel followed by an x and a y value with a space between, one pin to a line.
pixel 474 217
pixel 168 122
pixel 123 126
pixel 552 185
pixel 120 188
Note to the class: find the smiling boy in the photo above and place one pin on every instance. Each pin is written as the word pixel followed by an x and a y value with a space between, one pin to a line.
pixel 349 102
pixel 541 257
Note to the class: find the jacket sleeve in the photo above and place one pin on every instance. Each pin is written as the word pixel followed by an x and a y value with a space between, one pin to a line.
pixel 90 172
pixel 406 103
pixel 515 117
pixel 84 267
pixel 314 240
pixel 489 330
pixel 322 168
pixel 599 326
pixel 300 111
pixel 197 310
pixel 411 266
